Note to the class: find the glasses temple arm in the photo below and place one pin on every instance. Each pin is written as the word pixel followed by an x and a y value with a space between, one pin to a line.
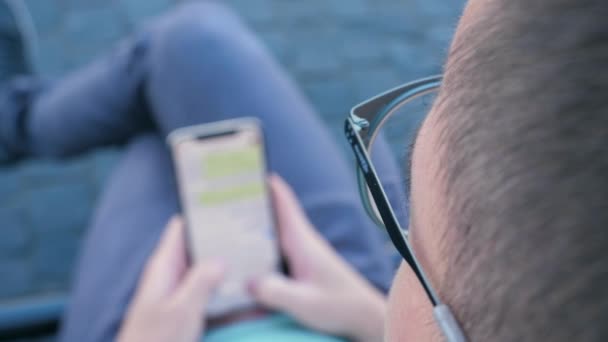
pixel 448 324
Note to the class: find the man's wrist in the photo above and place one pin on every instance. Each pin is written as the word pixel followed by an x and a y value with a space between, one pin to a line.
pixel 370 325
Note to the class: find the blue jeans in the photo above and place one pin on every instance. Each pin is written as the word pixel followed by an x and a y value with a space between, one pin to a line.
pixel 196 64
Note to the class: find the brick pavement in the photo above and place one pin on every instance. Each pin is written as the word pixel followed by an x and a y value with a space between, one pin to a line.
pixel 340 51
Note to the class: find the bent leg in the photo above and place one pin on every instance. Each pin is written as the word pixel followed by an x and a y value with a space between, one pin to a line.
pixel 205 65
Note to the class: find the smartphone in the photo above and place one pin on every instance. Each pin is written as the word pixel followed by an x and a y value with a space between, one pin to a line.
pixel 222 183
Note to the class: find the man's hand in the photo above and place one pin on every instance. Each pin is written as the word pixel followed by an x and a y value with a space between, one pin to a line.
pixel 169 304
pixel 324 292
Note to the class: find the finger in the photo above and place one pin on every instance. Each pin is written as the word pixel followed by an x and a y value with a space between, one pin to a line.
pixel 300 241
pixel 167 263
pixel 287 205
pixel 283 294
pixel 197 286
pixel 291 217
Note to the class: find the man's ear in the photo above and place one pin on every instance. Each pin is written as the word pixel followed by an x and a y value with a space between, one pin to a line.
pixel 410 313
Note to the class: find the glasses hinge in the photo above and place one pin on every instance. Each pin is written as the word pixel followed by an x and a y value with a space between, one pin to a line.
pixel 360 123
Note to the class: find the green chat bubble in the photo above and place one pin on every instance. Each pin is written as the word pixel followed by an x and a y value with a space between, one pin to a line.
pixel 227 163
pixel 238 193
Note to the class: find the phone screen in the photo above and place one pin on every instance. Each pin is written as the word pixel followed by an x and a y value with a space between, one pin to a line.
pixel 225 200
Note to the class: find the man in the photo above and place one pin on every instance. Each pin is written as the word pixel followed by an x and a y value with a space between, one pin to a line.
pixel 510 175
pixel 509 197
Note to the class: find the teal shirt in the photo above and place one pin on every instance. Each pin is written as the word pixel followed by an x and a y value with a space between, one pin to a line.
pixel 273 328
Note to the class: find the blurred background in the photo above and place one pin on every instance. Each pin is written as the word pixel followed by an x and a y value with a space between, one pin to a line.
pixel 339 51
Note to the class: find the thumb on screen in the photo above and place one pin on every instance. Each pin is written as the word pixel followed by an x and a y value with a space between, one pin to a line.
pixel 296 231
pixel 290 214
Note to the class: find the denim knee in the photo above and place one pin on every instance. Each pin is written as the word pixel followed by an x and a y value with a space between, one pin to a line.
pixel 197 28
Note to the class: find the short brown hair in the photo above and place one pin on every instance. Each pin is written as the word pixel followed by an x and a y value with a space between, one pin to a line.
pixel 524 112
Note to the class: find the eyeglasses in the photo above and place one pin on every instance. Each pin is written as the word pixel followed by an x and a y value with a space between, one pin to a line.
pixel 362 128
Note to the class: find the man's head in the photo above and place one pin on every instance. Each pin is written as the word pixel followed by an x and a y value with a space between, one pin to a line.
pixel 510 178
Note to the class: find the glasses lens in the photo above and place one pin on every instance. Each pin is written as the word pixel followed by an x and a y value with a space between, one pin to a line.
pixel 390 154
